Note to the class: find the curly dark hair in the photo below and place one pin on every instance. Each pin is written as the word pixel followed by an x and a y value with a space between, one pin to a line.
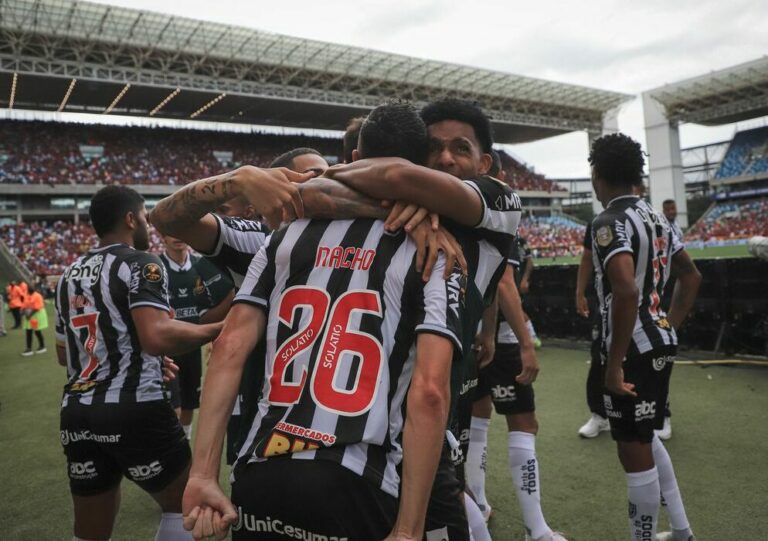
pixel 617 159
pixel 286 159
pixel 110 205
pixel 461 111
pixel 394 130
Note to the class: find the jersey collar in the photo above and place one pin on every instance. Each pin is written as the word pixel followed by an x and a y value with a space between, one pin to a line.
pixel 175 267
pixel 628 196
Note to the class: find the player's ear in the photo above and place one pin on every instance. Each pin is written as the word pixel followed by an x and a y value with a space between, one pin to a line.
pixel 355 154
pixel 129 220
pixel 485 163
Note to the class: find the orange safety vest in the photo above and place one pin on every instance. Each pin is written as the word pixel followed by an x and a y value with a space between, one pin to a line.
pixel 34 302
pixel 15 297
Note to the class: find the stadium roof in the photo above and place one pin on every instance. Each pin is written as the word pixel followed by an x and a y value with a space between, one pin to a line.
pixel 86 57
pixel 720 97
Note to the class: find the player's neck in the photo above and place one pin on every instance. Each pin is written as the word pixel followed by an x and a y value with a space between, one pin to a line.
pixel 614 193
pixel 116 238
pixel 177 256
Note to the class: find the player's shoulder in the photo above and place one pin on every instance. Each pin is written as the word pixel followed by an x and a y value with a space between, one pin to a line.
pixel 497 194
pixel 242 225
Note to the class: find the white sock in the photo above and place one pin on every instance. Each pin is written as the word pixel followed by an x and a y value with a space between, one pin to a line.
pixel 644 500
pixel 172 528
pixel 531 330
pixel 476 458
pixel 525 475
pixel 669 489
pixel 187 431
pixel 478 529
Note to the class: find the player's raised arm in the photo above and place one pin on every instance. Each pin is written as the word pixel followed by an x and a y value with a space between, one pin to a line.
pixel 401 180
pixel 185 214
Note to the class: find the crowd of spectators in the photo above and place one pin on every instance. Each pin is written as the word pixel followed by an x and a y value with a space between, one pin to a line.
pixel 523 178
pixel 552 236
pixel 58 153
pixel 46 248
pixel 747 154
pixel 732 220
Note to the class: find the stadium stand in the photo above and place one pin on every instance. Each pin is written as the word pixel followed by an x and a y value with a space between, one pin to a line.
pixel 57 153
pixel 552 236
pixel 732 220
pixel 522 178
pixel 46 248
pixel 747 154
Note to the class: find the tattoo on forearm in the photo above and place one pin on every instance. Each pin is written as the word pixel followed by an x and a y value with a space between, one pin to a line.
pixel 328 199
pixel 193 201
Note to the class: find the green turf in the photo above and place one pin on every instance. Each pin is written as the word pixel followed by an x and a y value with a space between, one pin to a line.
pixel 695 253
pixel 719 447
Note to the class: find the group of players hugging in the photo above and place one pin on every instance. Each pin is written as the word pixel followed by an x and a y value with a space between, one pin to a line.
pixel 354 312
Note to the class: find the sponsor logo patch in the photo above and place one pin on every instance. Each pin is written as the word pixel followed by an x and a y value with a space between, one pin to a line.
pixel 82 470
pixel 645 410
pixel 503 393
pixel 68 437
pixel 152 272
pixel 604 236
pixel 144 472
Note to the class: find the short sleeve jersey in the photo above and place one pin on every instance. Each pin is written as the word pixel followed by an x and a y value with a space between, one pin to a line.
pixel 94 299
pixel 187 292
pixel 630 225
pixel 237 241
pixel 344 304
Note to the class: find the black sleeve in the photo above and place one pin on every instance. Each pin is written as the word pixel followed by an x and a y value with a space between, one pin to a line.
pixel 149 282
pixel 588 237
pixel 502 208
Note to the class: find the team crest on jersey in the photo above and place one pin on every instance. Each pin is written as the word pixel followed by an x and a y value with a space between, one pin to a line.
pixel 604 236
pixel 152 272
pixel 199 287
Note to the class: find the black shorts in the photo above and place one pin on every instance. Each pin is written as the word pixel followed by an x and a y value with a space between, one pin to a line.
pixel 498 380
pixel 635 418
pixel 189 377
pixel 285 498
pixel 141 441
pixel 446 516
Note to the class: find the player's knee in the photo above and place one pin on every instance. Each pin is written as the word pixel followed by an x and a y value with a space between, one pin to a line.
pixel 523 422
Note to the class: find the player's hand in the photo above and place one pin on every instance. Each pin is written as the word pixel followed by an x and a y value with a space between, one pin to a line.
pixel 429 244
pixel 170 369
pixel 273 193
pixel 206 509
pixel 615 384
pixel 408 215
pixel 524 285
pixel 530 363
pixel 582 306
pixel 485 348
pixel 402 537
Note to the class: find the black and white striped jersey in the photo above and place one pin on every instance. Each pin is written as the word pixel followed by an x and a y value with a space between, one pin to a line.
pixel 94 299
pixel 631 225
pixel 344 304
pixel 237 241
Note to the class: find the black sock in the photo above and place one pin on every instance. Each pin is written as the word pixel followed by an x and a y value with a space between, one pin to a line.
pixel 29 338
pixel 40 339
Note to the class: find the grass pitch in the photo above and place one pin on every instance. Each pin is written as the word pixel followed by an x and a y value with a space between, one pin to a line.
pixel 695 253
pixel 719 447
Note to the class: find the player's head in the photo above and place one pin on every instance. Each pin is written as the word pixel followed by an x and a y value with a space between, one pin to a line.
pixel 460 138
pixel 302 160
pixel 393 130
pixel 119 210
pixel 351 135
pixel 238 207
pixel 172 244
pixel 617 165
pixel 497 170
pixel 669 208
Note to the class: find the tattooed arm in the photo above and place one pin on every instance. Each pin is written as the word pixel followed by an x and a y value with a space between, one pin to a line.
pixel 186 213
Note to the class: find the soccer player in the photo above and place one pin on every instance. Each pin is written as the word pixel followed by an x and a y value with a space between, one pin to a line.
pixel 460 145
pixel 506 385
pixel 35 320
pixel 351 135
pixel 113 325
pixel 343 306
pixel 598 421
pixel 669 209
pixel 635 252
pixel 302 160
pixel 190 299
